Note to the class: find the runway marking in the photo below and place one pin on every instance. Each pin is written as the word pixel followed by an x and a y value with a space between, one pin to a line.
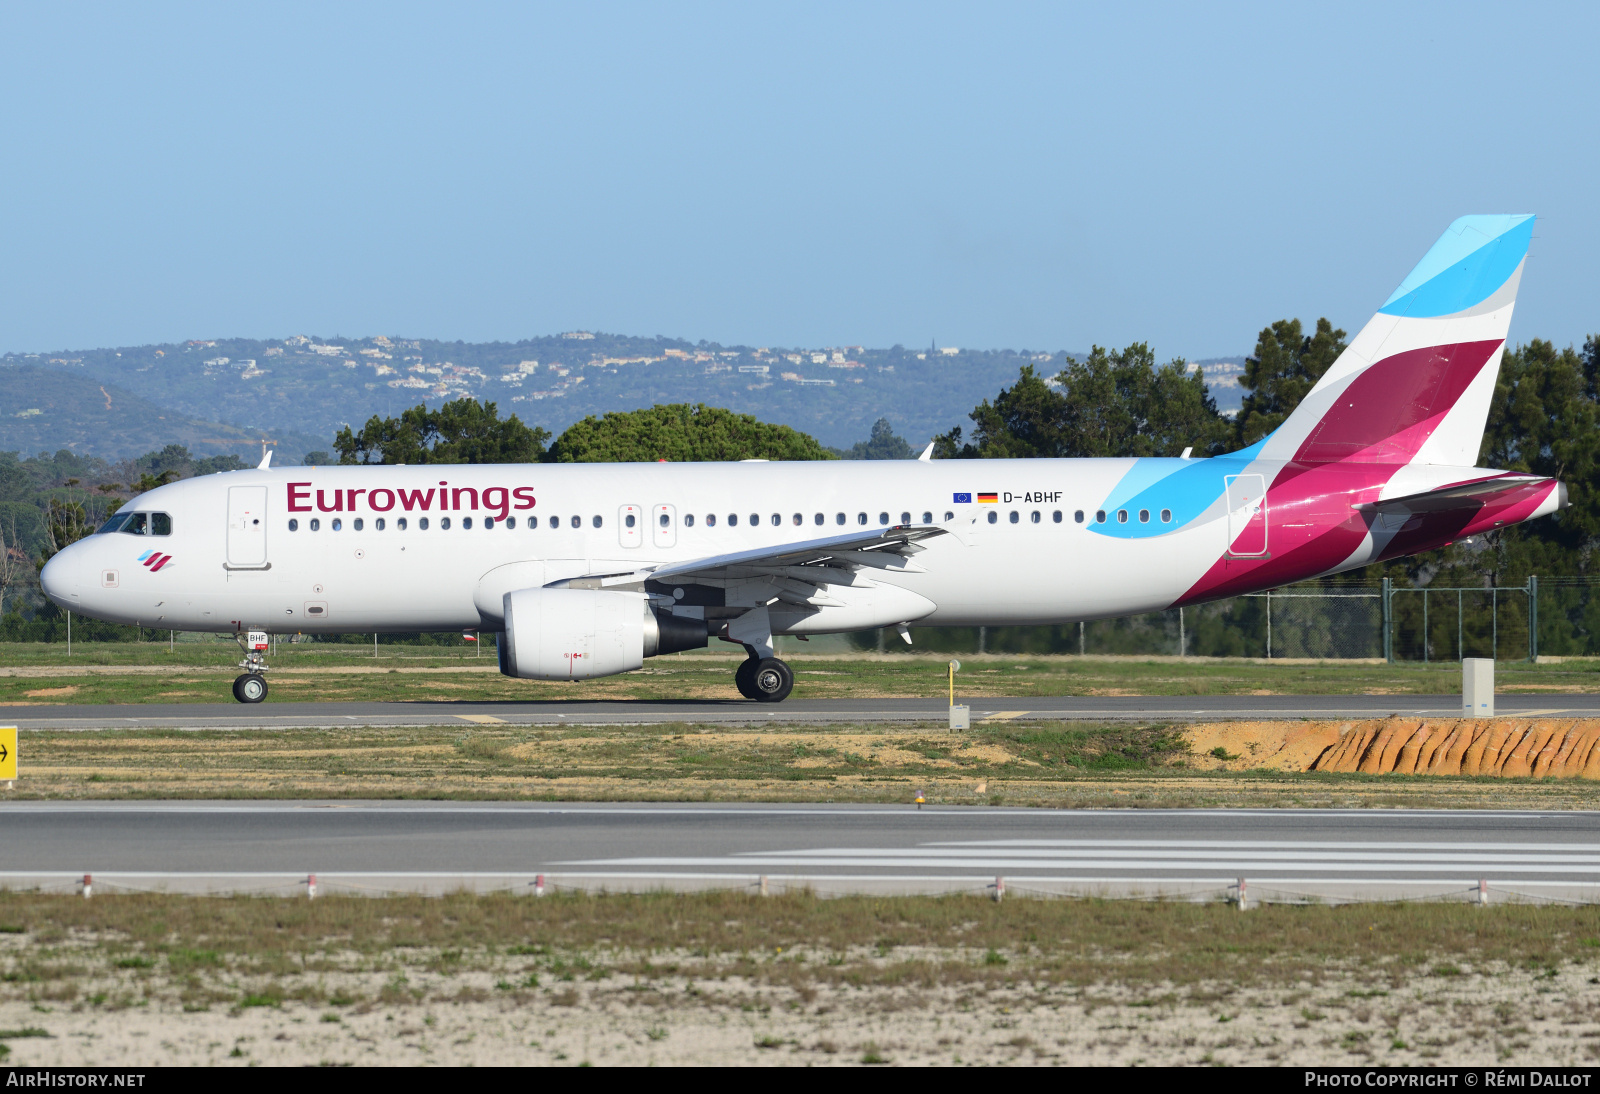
pixel 1003 715
pixel 1538 713
pixel 481 719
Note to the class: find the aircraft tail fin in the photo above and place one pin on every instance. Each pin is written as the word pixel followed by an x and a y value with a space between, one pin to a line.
pixel 1414 386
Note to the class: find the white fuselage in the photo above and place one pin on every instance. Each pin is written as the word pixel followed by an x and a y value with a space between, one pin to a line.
pixel 234 562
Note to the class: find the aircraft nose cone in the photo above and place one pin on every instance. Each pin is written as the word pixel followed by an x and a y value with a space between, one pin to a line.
pixel 60 580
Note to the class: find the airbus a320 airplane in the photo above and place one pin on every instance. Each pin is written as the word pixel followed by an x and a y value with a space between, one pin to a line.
pixel 585 570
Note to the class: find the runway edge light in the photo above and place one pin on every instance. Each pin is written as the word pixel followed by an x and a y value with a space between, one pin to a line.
pixel 8 755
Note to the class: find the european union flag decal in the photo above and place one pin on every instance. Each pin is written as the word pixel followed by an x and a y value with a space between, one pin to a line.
pixel 962 499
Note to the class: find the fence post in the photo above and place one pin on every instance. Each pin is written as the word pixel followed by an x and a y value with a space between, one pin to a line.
pixel 1494 628
pixel 1269 624
pixel 1388 624
pixel 1425 635
pixel 1533 619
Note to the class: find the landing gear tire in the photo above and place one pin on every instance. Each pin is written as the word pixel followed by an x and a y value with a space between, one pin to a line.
pixel 744 678
pixel 250 688
pixel 772 680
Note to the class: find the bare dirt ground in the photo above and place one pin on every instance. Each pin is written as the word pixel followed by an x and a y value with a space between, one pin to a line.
pixel 91 997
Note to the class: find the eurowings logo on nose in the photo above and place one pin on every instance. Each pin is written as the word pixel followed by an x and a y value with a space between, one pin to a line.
pixel 154 560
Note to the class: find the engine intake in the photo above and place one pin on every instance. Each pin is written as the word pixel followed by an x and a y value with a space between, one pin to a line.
pixel 576 634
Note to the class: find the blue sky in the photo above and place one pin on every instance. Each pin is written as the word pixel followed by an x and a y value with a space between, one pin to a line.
pixel 1024 176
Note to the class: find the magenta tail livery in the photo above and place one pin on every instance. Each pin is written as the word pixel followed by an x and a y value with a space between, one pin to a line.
pixel 587 569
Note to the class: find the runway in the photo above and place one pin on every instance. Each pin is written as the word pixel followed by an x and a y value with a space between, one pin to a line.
pixel 1188 708
pixel 374 847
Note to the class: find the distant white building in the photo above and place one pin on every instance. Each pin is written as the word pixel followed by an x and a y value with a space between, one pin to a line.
pixel 949 351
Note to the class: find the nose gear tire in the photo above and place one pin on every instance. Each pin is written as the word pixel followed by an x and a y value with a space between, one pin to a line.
pixel 772 680
pixel 250 688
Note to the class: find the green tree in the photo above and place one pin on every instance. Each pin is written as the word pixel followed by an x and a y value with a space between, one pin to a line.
pixel 681 433
pixel 1112 403
pixel 1287 364
pixel 882 445
pixel 463 431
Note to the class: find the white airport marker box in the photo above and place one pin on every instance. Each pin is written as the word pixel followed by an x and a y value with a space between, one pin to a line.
pixel 1477 687
pixel 960 717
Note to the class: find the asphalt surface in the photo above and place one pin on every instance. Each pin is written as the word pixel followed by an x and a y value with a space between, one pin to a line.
pixel 405 846
pixel 1221 708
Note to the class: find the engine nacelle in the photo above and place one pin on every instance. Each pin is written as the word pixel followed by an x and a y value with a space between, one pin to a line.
pixel 576 634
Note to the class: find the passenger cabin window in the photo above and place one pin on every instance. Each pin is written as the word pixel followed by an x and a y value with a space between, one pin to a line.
pixel 294 525
pixel 688 520
pixel 577 522
pixel 422 524
pixel 819 519
pixel 883 518
pixel 338 523
pixel 1015 517
pixel 1056 516
pixel 444 523
pixel 665 520
pixel 733 519
pixel 316 525
pixel 861 518
pixel 379 524
pixel 488 522
pixel 1077 517
pixel 994 518
pixel 711 520
pixel 927 518
pixel 776 520
pixel 755 519
pixel 466 522
pixel 359 523
pixel 1034 516
pixel 596 521
pixel 1166 516
pixel 1122 516
pixel 905 518
pixel 511 522
pixel 798 520
pixel 838 518
pixel 628 521
pixel 400 524
pixel 1099 516
pixel 949 516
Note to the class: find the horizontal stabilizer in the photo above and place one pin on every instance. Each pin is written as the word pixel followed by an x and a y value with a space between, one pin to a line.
pixel 1461 496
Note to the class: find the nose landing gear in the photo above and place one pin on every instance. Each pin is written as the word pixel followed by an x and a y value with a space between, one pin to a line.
pixel 252 686
pixel 764 679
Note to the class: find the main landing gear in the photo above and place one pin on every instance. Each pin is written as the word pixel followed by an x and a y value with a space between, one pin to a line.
pixel 764 679
pixel 252 686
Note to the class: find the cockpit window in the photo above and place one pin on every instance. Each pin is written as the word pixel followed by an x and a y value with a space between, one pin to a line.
pixel 139 524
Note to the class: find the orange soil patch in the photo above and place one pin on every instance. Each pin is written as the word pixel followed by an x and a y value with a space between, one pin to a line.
pixel 1502 747
pixel 50 693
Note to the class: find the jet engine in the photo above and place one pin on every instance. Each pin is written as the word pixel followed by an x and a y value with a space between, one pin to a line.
pixel 575 634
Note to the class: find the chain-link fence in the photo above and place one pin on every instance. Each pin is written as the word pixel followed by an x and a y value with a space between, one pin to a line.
pixel 1554 616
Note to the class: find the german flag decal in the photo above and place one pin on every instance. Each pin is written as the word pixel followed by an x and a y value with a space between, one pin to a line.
pixel 988 499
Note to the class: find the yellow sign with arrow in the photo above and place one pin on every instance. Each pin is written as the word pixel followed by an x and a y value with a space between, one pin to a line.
pixel 8 753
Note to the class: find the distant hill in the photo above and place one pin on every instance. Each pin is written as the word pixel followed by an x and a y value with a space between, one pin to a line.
pixel 47 409
pixel 313 386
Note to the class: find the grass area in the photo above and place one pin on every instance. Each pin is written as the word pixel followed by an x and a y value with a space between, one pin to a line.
pixel 734 978
pixel 1052 764
pixel 573 936
pixel 201 672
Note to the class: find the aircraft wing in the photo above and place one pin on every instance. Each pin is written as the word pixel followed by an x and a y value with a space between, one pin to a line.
pixel 1465 496
pixel 812 563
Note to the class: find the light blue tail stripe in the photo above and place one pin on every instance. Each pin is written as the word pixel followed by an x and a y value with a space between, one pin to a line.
pixel 1465 267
